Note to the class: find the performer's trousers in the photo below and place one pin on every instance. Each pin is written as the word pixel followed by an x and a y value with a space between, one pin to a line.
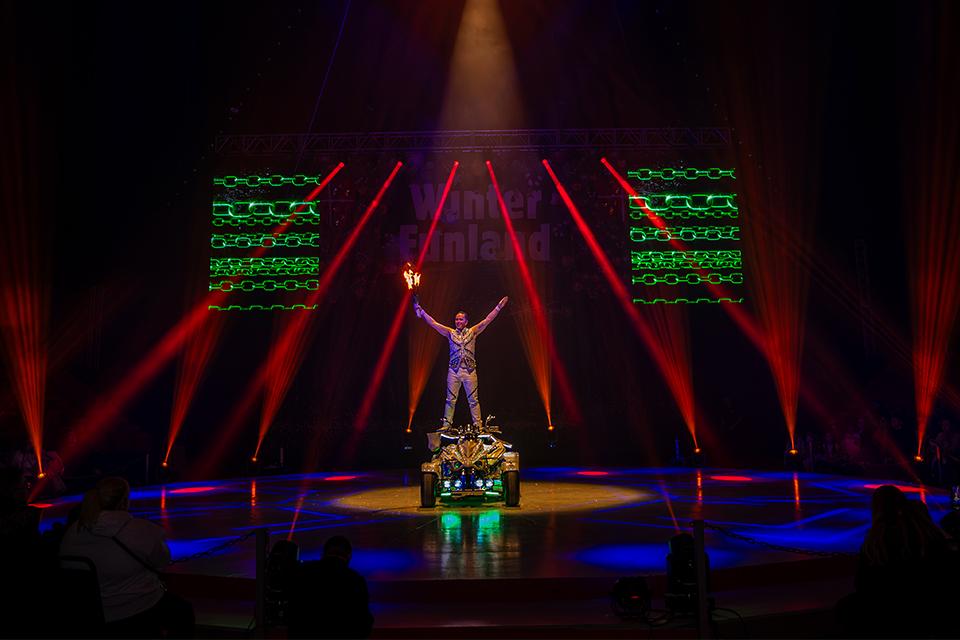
pixel 456 378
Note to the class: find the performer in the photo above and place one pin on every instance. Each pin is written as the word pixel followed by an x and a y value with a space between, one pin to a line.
pixel 463 358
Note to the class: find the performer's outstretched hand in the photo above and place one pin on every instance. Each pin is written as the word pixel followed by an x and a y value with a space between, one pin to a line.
pixel 503 302
pixel 417 309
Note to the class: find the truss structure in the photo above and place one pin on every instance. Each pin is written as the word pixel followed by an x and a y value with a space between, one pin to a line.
pixel 473 140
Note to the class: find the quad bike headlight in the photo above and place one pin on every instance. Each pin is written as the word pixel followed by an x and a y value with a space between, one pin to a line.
pixel 446 484
pixel 479 483
pixel 489 483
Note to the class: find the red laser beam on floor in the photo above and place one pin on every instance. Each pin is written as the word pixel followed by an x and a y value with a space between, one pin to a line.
pixel 536 336
pixel 286 356
pixel 674 363
pixel 193 490
pixel 106 408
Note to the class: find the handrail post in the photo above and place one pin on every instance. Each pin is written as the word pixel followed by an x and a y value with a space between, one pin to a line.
pixel 260 609
pixel 700 563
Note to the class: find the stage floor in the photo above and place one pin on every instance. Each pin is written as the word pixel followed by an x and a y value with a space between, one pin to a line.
pixel 576 531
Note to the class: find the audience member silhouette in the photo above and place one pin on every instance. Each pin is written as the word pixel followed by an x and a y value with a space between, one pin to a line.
pixel 128 553
pixel 904 581
pixel 328 599
pixel 21 559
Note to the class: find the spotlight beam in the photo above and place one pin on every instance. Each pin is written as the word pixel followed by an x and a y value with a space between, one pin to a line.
pixel 373 387
pixel 772 345
pixel 746 323
pixel 24 290
pixel 422 353
pixel 106 408
pixel 380 370
pixel 285 358
pixel 675 365
pixel 540 320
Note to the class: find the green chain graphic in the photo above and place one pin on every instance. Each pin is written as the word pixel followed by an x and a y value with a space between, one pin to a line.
pixel 266 285
pixel 279 209
pixel 683 206
pixel 689 278
pixel 655 260
pixel 689 174
pixel 687 234
pixel 247 240
pixel 301 220
pixel 266 181
pixel 260 307
pixel 686 301
pixel 289 266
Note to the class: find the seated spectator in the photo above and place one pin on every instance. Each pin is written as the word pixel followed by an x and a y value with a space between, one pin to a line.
pixel 128 554
pixel 901 435
pixel 828 458
pixel 20 555
pixel 25 459
pixel 850 444
pixel 905 579
pixel 951 524
pixel 946 446
pixel 328 599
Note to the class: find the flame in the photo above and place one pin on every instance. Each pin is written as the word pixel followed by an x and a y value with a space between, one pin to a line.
pixel 412 278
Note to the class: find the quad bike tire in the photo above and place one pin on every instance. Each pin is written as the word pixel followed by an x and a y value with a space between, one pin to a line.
pixel 511 488
pixel 428 490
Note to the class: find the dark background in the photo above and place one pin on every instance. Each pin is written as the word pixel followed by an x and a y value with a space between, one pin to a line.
pixel 127 99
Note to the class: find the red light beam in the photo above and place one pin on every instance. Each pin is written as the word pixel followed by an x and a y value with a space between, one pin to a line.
pixel 105 409
pixel 674 363
pixel 292 340
pixel 538 343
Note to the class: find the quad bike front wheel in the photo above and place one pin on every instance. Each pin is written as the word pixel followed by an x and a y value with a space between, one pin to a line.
pixel 428 490
pixel 511 488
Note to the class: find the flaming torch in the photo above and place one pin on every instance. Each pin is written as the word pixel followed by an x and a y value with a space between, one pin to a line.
pixel 413 282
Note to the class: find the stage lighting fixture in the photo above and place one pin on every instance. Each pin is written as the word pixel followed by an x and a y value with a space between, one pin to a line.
pixel 553 437
pixel 253 466
pixel 630 597
pixel 918 458
pixel 41 475
pixel 699 458
pixel 681 590
pixel 281 564
pixel 163 472
pixel 794 461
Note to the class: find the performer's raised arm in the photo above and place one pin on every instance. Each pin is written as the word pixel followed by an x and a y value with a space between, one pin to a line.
pixel 442 330
pixel 490 316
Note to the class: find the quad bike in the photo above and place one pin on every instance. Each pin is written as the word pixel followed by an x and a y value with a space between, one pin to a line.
pixel 476 465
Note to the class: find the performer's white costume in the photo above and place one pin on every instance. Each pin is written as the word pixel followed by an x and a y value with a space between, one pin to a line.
pixel 463 360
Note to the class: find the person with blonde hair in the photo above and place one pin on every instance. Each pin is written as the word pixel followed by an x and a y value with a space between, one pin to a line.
pixel 128 553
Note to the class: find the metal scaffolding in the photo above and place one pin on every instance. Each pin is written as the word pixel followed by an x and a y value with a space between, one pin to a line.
pixel 473 140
